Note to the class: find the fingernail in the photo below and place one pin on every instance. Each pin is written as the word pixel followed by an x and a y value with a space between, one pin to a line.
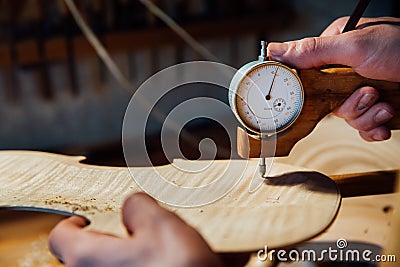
pixel 383 116
pixel 366 101
pixel 377 137
pixel 277 49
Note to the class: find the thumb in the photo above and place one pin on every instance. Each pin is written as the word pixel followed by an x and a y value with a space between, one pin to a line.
pixel 140 212
pixel 315 51
pixel 66 235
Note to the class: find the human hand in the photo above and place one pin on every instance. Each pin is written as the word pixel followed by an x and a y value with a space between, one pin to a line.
pixel 372 51
pixel 157 237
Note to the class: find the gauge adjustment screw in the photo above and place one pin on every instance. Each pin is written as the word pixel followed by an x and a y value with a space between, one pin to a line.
pixel 263 55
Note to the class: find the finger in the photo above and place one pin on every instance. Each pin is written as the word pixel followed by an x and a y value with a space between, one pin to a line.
pixel 64 235
pixel 74 246
pixel 155 227
pixel 368 22
pixel 140 211
pixel 317 51
pixel 358 103
pixel 335 27
pixel 377 134
pixel 374 117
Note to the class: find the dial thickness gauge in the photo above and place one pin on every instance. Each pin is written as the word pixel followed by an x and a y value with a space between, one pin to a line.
pixel 266 96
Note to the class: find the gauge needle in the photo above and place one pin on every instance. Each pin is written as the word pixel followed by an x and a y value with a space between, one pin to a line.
pixel 268 96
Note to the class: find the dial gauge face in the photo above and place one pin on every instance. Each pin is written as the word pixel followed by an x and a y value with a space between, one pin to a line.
pixel 269 98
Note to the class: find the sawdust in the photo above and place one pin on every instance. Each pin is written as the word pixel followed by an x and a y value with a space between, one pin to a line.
pixel 76 206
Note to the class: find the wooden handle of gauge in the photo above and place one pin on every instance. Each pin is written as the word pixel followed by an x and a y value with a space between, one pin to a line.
pixel 324 90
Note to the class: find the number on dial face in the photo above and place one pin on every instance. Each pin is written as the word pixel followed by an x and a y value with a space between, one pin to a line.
pixel 269 98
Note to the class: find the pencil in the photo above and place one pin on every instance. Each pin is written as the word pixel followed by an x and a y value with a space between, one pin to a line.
pixel 356 15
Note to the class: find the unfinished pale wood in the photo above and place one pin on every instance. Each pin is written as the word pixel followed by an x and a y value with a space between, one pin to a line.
pixel 367 220
pixel 323 92
pixel 335 148
pixel 363 219
pixel 287 210
pixel 392 246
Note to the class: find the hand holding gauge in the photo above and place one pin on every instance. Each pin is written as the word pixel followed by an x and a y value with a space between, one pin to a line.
pixel 300 99
pixel 313 94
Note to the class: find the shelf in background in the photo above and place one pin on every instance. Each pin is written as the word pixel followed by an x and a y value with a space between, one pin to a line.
pixel 56 49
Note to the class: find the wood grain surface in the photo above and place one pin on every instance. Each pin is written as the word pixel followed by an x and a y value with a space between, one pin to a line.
pixel 364 219
pixel 333 148
pixel 286 209
pixel 363 224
